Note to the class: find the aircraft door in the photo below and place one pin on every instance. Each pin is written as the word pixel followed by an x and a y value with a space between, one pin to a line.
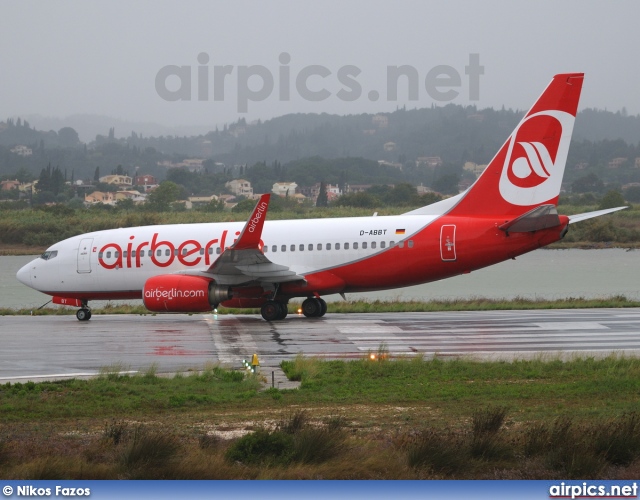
pixel 84 255
pixel 448 242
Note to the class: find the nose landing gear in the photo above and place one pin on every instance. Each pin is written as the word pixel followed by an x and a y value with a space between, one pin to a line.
pixel 84 314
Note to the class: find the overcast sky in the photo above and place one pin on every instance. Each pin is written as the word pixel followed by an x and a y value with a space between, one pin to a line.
pixel 115 58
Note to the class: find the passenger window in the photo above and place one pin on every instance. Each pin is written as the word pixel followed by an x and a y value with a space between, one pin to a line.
pixel 175 252
pixel 133 253
pixel 319 246
pixel 284 248
pixel 293 248
pixel 355 245
pixel 301 247
pixel 410 243
pixel 364 245
pixel 373 244
pixel 108 255
pixel 265 248
pixel 337 246
pixel 274 248
pixel 310 247
pixel 184 251
pixel 202 251
pixel 167 252
pixel 391 243
pixel 218 251
pixel 141 253
pixel 328 246
pixel 401 244
pixel 383 244
pixel 116 254
pixel 100 255
pixel 210 251
pixel 346 246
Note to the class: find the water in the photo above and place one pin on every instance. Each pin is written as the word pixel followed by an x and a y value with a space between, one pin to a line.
pixel 548 274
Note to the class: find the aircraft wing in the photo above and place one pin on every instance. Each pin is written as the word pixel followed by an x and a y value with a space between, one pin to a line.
pixel 244 262
pixel 589 215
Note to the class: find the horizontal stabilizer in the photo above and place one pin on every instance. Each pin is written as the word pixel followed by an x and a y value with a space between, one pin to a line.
pixel 589 215
pixel 542 217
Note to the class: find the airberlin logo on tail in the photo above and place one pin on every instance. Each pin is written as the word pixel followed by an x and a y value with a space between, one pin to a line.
pixel 536 156
pixel 255 220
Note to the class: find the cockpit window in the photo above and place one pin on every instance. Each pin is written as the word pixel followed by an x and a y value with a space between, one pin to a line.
pixel 49 254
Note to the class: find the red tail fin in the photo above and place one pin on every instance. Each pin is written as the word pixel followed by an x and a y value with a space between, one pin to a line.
pixel 528 169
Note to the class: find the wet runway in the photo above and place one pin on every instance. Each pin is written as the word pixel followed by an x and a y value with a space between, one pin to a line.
pixel 38 347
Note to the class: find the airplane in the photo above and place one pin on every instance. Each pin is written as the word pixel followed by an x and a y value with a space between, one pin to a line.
pixel 195 268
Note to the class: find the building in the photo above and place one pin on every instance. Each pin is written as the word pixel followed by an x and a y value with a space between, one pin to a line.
pixel 240 187
pixel 117 180
pixel 107 198
pixel 199 201
pixel 389 146
pixel 284 188
pixel 428 161
pixel 380 121
pixel 9 185
pixel 137 197
pixel 145 182
pixel 617 162
pixel 474 168
pixel 392 164
pixel 423 189
pixel 312 192
pixel 22 150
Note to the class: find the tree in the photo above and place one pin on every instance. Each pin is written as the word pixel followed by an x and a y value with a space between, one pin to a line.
pixel 323 199
pixel 632 194
pixel 96 175
pixel 447 184
pixel 588 184
pixel 612 199
pixel 68 137
pixel 360 200
pixel 164 195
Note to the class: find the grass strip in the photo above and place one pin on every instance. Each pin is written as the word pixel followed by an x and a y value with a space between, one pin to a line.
pixel 370 306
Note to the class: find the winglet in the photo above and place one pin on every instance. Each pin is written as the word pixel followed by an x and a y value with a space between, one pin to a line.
pixel 252 231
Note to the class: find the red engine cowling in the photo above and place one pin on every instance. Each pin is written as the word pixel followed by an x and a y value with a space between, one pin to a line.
pixel 180 293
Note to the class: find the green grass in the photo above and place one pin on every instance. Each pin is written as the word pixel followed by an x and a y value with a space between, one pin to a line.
pixel 372 306
pixel 391 418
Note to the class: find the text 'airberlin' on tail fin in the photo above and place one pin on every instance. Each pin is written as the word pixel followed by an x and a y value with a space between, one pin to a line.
pixel 528 169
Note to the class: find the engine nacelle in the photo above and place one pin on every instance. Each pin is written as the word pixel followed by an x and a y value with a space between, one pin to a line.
pixel 182 293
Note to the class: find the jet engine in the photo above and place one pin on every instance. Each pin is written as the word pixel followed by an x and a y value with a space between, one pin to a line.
pixel 183 293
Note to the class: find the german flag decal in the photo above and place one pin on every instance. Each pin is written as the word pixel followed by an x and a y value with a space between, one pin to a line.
pixel 399 231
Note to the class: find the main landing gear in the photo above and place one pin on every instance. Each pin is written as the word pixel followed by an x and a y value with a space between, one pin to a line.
pixel 84 314
pixel 314 307
pixel 273 310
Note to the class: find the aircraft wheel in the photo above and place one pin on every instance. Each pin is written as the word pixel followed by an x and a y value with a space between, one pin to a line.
pixel 83 314
pixel 323 307
pixel 271 310
pixel 312 308
pixel 283 310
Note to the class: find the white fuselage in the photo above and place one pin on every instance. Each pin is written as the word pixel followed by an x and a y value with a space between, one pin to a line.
pixel 119 261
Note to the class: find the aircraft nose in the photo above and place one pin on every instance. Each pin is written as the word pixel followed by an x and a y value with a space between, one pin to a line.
pixel 24 274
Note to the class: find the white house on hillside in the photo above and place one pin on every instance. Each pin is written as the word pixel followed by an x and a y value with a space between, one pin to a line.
pixel 284 188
